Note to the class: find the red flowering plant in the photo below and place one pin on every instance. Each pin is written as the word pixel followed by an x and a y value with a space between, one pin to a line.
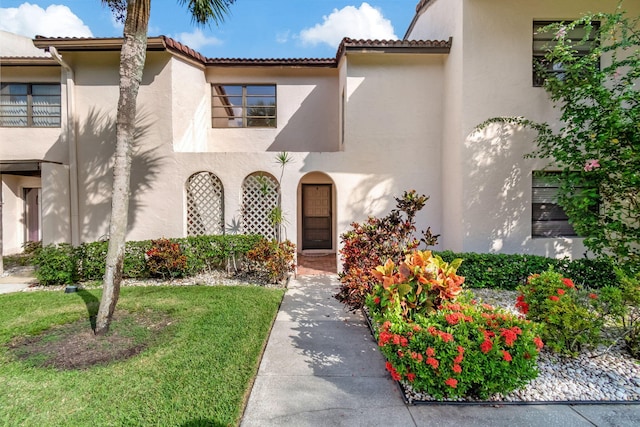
pixel 572 318
pixel 444 346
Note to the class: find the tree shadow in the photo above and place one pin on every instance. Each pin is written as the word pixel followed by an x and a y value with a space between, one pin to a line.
pixel 95 174
pixel 92 303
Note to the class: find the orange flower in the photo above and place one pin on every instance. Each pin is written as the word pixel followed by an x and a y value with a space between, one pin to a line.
pixel 554 298
pixel 538 342
pixel 457 368
pixel 451 382
pixel 560 291
pixel 433 362
pixel 506 355
pixel 593 296
pixel 568 283
pixel 446 337
pixel 486 346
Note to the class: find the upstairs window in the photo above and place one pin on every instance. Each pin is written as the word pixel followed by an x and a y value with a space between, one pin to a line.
pixel 243 106
pixel 543 42
pixel 29 105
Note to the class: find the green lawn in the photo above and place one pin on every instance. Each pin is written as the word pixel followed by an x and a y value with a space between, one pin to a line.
pixel 197 372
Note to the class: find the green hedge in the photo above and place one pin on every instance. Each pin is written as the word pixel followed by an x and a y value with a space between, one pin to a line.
pixel 505 271
pixel 62 264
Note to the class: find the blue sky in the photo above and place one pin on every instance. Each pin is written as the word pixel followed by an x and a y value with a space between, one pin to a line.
pixel 254 28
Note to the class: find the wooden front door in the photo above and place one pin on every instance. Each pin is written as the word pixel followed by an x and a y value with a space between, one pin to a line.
pixel 316 216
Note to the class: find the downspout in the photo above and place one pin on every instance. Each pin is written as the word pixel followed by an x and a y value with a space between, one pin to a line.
pixel 72 139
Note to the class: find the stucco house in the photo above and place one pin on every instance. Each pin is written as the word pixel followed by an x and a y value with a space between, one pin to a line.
pixel 379 118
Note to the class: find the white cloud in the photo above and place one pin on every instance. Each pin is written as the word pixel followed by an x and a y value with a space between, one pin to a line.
pixel 283 37
pixel 197 39
pixel 54 21
pixel 365 22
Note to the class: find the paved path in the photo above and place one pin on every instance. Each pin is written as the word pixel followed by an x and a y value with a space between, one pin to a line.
pixel 321 367
pixel 20 278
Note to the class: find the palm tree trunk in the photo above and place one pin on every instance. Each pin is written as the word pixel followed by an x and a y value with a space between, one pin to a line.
pixel 132 58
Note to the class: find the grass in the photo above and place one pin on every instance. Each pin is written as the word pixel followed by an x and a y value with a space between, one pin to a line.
pixel 197 371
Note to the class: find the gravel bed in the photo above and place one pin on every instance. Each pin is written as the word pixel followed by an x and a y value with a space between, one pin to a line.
pixel 605 374
pixel 213 278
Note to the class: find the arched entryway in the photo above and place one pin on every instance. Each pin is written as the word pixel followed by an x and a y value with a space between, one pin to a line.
pixel 316 224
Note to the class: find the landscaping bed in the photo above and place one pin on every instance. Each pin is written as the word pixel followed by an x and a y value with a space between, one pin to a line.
pixel 603 375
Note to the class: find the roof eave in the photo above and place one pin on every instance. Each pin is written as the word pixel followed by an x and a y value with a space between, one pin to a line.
pixel 24 61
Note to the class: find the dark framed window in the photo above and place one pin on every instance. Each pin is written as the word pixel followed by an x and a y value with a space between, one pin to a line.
pixel 548 219
pixel 30 105
pixel 545 41
pixel 243 106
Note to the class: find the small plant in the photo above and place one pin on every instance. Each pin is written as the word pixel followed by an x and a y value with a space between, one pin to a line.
pixel 271 260
pixel 373 242
pixel 572 319
pixel 419 285
pixel 165 259
pixel 55 265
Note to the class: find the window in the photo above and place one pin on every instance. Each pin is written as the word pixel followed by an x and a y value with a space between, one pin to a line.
pixel 29 105
pixel 242 106
pixel 547 217
pixel 543 42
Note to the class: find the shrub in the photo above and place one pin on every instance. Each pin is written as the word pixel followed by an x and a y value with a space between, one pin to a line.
pixel 271 260
pixel 373 242
pixel 623 305
pixel 446 348
pixel 571 319
pixel 165 259
pixel 134 265
pixel 206 253
pixel 508 271
pixel 55 265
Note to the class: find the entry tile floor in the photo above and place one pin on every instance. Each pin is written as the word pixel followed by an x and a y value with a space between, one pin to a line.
pixel 310 265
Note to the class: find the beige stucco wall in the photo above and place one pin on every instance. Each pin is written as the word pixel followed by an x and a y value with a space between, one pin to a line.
pixel 55 207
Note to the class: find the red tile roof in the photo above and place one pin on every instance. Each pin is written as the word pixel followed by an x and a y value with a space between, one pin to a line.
pixel 166 43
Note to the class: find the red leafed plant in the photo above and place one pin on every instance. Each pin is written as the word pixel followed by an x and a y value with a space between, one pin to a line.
pixel 418 285
pixel 165 259
pixel 369 244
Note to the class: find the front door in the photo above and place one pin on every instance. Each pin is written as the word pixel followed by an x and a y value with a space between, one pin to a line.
pixel 316 216
pixel 32 214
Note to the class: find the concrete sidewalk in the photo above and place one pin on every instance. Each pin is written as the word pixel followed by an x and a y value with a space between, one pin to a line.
pixel 17 279
pixel 321 367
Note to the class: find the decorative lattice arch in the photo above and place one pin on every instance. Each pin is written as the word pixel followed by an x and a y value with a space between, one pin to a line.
pixel 205 205
pixel 260 196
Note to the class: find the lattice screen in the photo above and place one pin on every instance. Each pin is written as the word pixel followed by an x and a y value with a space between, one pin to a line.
pixel 205 205
pixel 259 198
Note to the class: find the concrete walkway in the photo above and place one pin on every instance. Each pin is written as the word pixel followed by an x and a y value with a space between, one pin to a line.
pixel 18 279
pixel 321 367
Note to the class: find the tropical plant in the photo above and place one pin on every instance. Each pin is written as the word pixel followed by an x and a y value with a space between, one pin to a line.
pixel 597 148
pixel 135 14
pixel 271 261
pixel 376 240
